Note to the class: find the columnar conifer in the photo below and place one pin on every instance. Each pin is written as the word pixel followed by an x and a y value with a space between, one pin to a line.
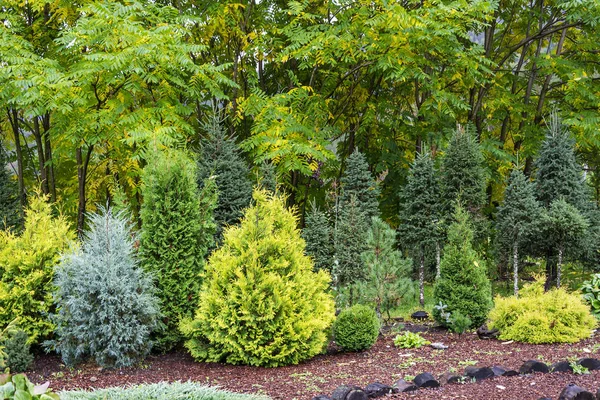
pixel 358 182
pixel 318 236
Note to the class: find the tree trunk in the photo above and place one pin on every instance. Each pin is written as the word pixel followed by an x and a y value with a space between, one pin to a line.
pixel 516 268
pixel 14 122
pixel 82 167
pixel 37 134
pixel 438 259
pixel 422 279
pixel 559 265
pixel 48 157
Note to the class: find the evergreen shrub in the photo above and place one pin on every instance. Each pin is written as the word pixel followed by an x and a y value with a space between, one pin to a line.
pixel 17 350
pixel 556 316
pixel 261 303
pixel 106 304
pixel 463 285
pixel 27 265
pixel 356 328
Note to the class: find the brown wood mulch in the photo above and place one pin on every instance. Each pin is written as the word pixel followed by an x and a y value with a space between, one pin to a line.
pixel 382 363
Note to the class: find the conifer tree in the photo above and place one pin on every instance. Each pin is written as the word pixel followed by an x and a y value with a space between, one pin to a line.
pixel 318 237
pixel 388 273
pixel 350 242
pixel 267 176
pixel 107 307
pixel 220 156
pixel 357 182
pixel 11 215
pixel 517 218
pixel 261 303
pixel 177 231
pixel 422 213
pixel 463 286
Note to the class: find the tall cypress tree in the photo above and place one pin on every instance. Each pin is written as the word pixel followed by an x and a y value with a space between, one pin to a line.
pixel 318 237
pixel 220 156
pixel 517 217
pixel 177 230
pixel 358 182
pixel 422 213
pixel 11 215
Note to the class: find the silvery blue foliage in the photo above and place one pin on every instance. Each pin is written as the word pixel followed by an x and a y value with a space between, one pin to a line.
pixel 106 304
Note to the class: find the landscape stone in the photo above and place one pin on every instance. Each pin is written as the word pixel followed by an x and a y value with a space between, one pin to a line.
pixel 420 315
pixel 590 363
pixel 321 397
pixel 484 333
pixel 574 392
pixel 377 389
pixel 402 386
pixel 532 366
pixel 426 380
pixel 479 374
pixel 561 366
pixel 345 392
pixel 449 377
pixel 502 371
pixel 439 346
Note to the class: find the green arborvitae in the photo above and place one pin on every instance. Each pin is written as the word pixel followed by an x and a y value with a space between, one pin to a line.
pixel 350 242
pixel 106 304
pixel 177 230
pixel 388 273
pixel 516 219
pixel 463 286
pixel 11 215
pixel 463 175
pixel 358 182
pixel 220 156
pixel 261 303
pixel 422 213
pixel 318 236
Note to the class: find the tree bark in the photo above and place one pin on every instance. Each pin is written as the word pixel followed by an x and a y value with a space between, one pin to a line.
pixel 438 259
pixel 516 267
pixel 559 265
pixel 82 168
pixel 422 278
pixel 37 134
pixel 14 122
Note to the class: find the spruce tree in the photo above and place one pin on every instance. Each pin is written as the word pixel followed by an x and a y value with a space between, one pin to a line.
pixel 261 303
pixel 357 182
pixel 267 176
pixel 318 236
pixel 220 156
pixel 517 218
pixel 388 273
pixel 463 287
pixel 350 242
pixel 177 230
pixel 107 306
pixel 11 215
pixel 421 213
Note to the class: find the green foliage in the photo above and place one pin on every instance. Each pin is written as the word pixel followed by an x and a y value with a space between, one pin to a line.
pixel 358 183
pixel 460 323
pixel 4 334
pixel 318 236
pixel 350 241
pixel 27 265
pixel 388 279
pixel 163 391
pixel 579 369
pixel 177 231
pixel 356 328
pixel 220 156
pixel 463 285
pixel 591 294
pixel 17 349
pixel 107 305
pixel 563 223
pixel 556 316
pixel 409 340
pixel 261 304
pixel 10 209
pixel 18 387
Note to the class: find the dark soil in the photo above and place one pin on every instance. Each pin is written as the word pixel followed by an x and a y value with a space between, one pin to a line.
pixel 383 363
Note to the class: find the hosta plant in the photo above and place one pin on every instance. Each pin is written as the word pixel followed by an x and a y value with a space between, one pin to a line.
pixel 591 294
pixel 18 387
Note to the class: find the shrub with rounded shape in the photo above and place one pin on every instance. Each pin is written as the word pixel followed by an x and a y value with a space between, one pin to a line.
pixel 261 303
pixel 106 304
pixel 556 316
pixel 18 354
pixel 356 328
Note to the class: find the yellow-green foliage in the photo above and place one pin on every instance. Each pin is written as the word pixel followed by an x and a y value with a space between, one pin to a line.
pixel 27 267
pixel 556 316
pixel 261 303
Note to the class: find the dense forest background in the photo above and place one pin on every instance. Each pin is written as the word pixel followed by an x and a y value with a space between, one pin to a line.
pixel 90 89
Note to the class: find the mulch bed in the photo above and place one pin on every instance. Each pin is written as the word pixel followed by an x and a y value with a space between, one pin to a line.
pixel 382 363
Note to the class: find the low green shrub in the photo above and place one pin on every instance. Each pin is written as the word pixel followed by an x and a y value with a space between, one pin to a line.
pixel 556 316
pixel 356 328
pixel 162 391
pixel 18 387
pixel 410 340
pixel 17 350
pixel 460 323
pixel 591 294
